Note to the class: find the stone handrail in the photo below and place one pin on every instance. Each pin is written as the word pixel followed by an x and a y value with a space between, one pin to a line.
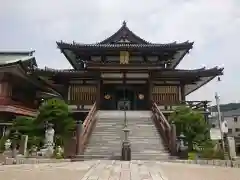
pixel 166 131
pixel 88 125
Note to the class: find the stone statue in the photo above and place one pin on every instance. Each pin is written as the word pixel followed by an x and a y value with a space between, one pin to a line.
pixel 48 149
pixel 49 136
pixel 7 144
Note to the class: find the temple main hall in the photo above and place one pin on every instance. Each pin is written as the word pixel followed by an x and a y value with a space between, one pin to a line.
pixel 123 71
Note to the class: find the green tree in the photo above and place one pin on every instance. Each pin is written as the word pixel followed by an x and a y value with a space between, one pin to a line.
pixel 192 124
pixel 24 125
pixel 56 112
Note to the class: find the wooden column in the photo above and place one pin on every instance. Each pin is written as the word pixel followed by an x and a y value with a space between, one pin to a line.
pixel 182 92
pixel 98 94
pixel 150 86
pixel 5 89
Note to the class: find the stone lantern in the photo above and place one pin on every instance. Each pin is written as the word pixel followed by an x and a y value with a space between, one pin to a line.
pixel 181 147
pixel 126 146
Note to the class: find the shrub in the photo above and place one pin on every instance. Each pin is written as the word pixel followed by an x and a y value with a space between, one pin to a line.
pixel 211 153
pixel 192 155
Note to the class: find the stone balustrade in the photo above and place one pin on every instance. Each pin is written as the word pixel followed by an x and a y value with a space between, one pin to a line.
pixel 215 162
pixel 22 160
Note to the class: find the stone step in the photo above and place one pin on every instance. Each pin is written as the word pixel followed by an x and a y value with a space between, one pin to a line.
pixel 97 143
pixel 107 134
pixel 106 139
pixel 95 156
pixel 106 147
pixel 102 152
pixel 150 158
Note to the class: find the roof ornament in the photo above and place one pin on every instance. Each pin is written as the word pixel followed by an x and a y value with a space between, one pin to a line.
pixel 124 23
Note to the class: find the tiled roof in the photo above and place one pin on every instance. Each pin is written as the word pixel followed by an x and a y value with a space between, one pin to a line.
pixel 201 72
pixel 26 53
pixel 63 45
pixel 124 33
pixel 7 57
pixel 232 113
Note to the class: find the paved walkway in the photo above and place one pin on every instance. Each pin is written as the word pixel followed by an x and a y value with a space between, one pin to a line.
pixel 117 170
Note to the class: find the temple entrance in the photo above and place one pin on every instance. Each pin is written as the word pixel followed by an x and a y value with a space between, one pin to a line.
pixel 125 98
pixel 120 97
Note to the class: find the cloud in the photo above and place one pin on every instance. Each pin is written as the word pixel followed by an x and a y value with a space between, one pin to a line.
pixel 213 25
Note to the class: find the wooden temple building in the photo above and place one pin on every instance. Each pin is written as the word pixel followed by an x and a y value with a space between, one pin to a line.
pixel 122 69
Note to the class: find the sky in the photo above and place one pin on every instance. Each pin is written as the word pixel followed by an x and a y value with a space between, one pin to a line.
pixel 214 26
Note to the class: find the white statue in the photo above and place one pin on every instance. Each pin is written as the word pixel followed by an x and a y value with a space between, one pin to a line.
pixel 59 151
pixel 7 144
pixel 48 149
pixel 49 136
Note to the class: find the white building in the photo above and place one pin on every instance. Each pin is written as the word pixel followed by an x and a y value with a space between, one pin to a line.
pixel 232 119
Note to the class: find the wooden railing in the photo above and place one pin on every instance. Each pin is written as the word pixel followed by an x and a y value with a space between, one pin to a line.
pixel 198 105
pixel 87 127
pixel 165 129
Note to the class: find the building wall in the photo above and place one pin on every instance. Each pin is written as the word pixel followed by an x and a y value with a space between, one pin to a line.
pixel 233 125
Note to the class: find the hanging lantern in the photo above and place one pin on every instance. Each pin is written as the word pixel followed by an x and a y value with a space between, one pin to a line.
pixel 107 97
pixel 141 96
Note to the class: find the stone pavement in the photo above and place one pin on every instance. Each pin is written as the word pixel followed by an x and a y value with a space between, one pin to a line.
pixel 117 170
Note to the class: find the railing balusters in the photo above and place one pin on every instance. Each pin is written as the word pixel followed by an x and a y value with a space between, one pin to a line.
pixel 163 125
pixel 87 127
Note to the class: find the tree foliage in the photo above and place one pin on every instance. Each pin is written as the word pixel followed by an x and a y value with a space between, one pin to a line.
pixel 24 125
pixel 191 123
pixel 52 111
pixel 56 112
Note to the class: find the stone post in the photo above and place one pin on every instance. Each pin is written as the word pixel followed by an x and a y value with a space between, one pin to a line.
pixel 78 137
pixel 23 145
pixel 126 146
pixel 14 144
pixel 231 148
pixel 173 140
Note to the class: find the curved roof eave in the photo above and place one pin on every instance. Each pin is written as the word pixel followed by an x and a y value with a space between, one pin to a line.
pixel 204 80
pixel 18 65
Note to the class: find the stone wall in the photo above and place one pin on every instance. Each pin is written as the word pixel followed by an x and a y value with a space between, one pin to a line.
pixel 10 161
pixel 222 163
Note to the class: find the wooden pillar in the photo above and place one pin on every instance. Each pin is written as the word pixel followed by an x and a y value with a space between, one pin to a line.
pixel 98 93
pixel 150 87
pixel 182 92
pixel 5 89
pixel 69 94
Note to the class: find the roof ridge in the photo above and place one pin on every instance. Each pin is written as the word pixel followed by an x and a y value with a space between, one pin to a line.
pixel 29 53
pixel 123 31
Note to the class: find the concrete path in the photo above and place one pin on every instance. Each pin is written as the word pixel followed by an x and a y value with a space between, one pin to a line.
pixel 117 170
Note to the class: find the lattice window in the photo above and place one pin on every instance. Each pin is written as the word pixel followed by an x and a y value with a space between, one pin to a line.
pixel 165 94
pixel 80 94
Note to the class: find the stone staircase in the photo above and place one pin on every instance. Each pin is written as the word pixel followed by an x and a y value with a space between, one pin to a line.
pixel 146 143
pixel 106 139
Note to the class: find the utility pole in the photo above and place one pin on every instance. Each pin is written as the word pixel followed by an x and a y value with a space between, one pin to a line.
pixel 220 120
